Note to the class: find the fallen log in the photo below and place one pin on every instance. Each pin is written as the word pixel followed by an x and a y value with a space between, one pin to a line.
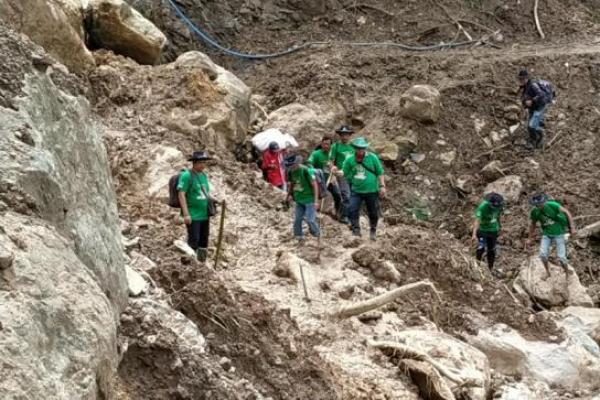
pixel 381 300
pixel 589 230
pixel 537 20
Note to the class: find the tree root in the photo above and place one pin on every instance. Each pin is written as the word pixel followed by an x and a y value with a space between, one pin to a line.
pixel 381 300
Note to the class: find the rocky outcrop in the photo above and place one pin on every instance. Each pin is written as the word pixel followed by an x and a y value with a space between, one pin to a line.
pixel 573 364
pixel 118 27
pixel 559 289
pixel 421 103
pixel 56 25
pixel 64 283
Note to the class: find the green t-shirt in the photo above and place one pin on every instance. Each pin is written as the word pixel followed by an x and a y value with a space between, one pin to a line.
pixel 196 200
pixel 553 221
pixel 319 160
pixel 302 179
pixel 363 180
pixel 340 152
pixel 489 217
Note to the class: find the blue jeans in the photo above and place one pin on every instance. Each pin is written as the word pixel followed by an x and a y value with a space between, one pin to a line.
pixel 344 187
pixel 561 248
pixel 536 119
pixel 308 212
pixel 372 202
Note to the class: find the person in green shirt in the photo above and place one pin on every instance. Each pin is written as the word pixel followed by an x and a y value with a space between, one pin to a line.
pixel 193 188
pixel 554 220
pixel 319 159
pixel 487 227
pixel 303 190
pixel 340 151
pixel 364 172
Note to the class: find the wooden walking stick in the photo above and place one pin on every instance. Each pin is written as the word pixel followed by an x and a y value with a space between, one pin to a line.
pixel 321 217
pixel 220 238
pixel 304 284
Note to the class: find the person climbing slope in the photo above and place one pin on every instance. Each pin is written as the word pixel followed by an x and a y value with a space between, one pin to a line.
pixel 340 151
pixel 486 228
pixel 303 190
pixel 554 220
pixel 319 159
pixel 194 189
pixel 364 172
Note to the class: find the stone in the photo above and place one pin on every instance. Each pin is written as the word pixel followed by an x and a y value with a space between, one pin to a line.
pixel 53 25
pixel 306 122
pixel 135 282
pixel 196 59
pixel 288 266
pixel 116 26
pixel 464 360
pixel 492 171
pixel 510 187
pixel 421 103
pixel 386 151
pixel 589 230
pixel 131 243
pixel 385 270
pixel 407 143
pixel 448 157
pixel 465 183
pixel 554 291
pixel 164 162
pixel 568 365
pixel 589 319
pixel 141 263
pixel 184 248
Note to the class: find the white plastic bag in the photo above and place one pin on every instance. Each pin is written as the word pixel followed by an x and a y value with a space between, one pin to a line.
pixel 284 140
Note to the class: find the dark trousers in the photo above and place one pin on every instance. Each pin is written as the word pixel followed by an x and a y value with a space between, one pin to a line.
pixel 372 202
pixel 337 198
pixel 198 234
pixel 487 244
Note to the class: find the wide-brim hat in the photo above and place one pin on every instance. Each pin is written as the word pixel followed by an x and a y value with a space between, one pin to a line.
pixel 345 130
pixel 360 143
pixel 200 156
pixel 293 160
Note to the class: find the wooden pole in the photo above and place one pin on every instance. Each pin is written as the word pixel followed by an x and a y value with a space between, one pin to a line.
pixel 321 216
pixel 220 238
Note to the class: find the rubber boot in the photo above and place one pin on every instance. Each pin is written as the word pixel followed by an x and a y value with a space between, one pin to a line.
pixel 547 267
pixel 201 254
pixel 373 234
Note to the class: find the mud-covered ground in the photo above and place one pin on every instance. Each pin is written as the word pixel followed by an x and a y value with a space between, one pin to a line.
pixel 260 321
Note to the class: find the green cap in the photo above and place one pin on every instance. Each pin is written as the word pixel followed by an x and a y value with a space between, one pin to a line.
pixel 360 143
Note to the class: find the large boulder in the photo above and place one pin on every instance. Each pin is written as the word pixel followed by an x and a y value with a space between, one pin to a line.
pixel 118 27
pixel 560 289
pixel 421 103
pixel 588 318
pixel 56 25
pixel 308 123
pixel 510 187
pixel 61 294
pixel 467 364
pixel 230 119
pixel 164 162
pixel 570 364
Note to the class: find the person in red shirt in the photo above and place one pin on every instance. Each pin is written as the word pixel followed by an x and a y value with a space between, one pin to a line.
pixel 273 166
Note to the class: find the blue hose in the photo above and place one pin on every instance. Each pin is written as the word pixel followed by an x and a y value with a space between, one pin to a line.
pixel 205 37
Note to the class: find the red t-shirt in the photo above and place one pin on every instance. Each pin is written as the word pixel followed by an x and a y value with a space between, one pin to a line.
pixel 273 164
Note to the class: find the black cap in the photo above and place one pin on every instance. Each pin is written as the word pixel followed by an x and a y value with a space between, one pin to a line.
pixel 538 199
pixel 199 156
pixel 273 146
pixel 523 73
pixel 345 130
pixel 293 159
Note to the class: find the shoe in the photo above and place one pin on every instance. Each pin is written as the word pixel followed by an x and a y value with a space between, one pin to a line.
pixel 373 236
pixel 356 233
pixel 201 254
pixel 345 221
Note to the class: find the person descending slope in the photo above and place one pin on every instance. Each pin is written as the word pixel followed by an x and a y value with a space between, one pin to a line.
pixel 554 220
pixel 303 190
pixel 364 172
pixel 536 97
pixel 194 189
pixel 486 227
pixel 339 152
pixel 319 159
pixel 272 165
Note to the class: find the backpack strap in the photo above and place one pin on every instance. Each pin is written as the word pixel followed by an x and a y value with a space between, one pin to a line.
pixel 365 167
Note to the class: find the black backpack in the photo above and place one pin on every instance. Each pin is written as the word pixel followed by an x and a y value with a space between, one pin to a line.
pixel 548 89
pixel 319 177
